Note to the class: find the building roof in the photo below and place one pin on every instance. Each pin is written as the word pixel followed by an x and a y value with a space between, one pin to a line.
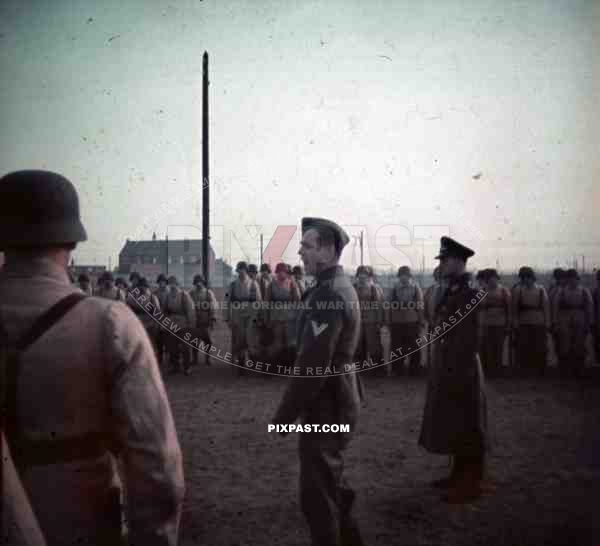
pixel 176 247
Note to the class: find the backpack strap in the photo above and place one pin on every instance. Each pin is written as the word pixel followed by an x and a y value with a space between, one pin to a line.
pixel 48 319
pixel 11 362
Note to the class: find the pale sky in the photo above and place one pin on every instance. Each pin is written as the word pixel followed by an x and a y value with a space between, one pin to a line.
pixel 478 117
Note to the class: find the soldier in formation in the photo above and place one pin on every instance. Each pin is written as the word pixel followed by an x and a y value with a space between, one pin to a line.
pixel 83 281
pixel 531 323
pixel 241 316
pixel 495 318
pixel 455 414
pixel 281 294
pixel 253 272
pixel 102 402
pixel 407 319
pixel 370 298
pixel 264 279
pixel 298 275
pixel 205 305
pixel 179 308
pixel 107 289
pixel 144 295
pixel 572 314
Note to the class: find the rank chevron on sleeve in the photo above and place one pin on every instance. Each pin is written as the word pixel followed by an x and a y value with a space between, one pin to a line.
pixel 318 328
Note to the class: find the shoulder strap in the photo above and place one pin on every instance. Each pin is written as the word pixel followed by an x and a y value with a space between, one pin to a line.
pixel 10 357
pixel 48 319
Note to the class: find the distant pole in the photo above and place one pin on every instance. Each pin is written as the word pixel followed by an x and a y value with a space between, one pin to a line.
pixel 110 263
pixel 361 248
pixel 583 264
pixel 260 260
pixel 205 179
pixel 167 251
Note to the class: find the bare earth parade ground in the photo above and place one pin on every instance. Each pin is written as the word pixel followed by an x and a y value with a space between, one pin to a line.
pixel 242 480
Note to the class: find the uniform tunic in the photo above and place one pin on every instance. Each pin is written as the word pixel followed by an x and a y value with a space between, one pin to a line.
pixel 495 322
pixel 112 293
pixel 242 315
pixel 531 320
pixel 573 312
pixel 407 316
pixel 280 298
pixel 179 308
pixel 205 305
pixel 455 414
pixel 19 525
pixel 327 338
pixel 371 316
pixel 94 371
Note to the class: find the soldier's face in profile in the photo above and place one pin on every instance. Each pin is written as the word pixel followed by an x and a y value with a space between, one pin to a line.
pixel 313 253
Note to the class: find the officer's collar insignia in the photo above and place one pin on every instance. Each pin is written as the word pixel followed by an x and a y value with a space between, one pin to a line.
pixel 318 328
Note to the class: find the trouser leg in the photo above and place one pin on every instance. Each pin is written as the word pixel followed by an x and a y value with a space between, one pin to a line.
pixel 325 498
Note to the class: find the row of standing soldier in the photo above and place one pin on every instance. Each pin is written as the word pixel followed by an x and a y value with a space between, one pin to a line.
pixel 194 311
pixel 523 315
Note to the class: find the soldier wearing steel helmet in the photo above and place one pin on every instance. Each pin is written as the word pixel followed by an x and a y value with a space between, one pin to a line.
pixel 327 336
pixel 371 319
pixel 496 316
pixel 89 365
pixel 161 292
pixel 573 315
pixel 179 308
pixel 455 413
pixel 531 321
pixel 264 279
pixel 407 319
pixel 205 305
pixel 241 316
pixel 253 272
pixel 83 281
pixel 108 289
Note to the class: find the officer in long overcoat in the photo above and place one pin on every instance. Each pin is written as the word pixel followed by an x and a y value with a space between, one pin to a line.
pixel 455 415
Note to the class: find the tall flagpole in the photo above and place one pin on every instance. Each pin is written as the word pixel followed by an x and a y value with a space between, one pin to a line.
pixel 205 184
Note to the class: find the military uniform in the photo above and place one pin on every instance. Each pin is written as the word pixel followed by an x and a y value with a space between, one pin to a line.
pixel 573 312
pixel 161 293
pixel 327 338
pixel 19 524
pixel 407 318
pixel 280 297
pixel 95 382
pixel 205 305
pixel 370 298
pixel 455 414
pixel 242 317
pixel 531 321
pixel 495 322
pixel 179 308
pixel 144 296
pixel 110 293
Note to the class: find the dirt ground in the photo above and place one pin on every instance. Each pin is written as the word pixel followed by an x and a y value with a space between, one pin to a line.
pixel 242 480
